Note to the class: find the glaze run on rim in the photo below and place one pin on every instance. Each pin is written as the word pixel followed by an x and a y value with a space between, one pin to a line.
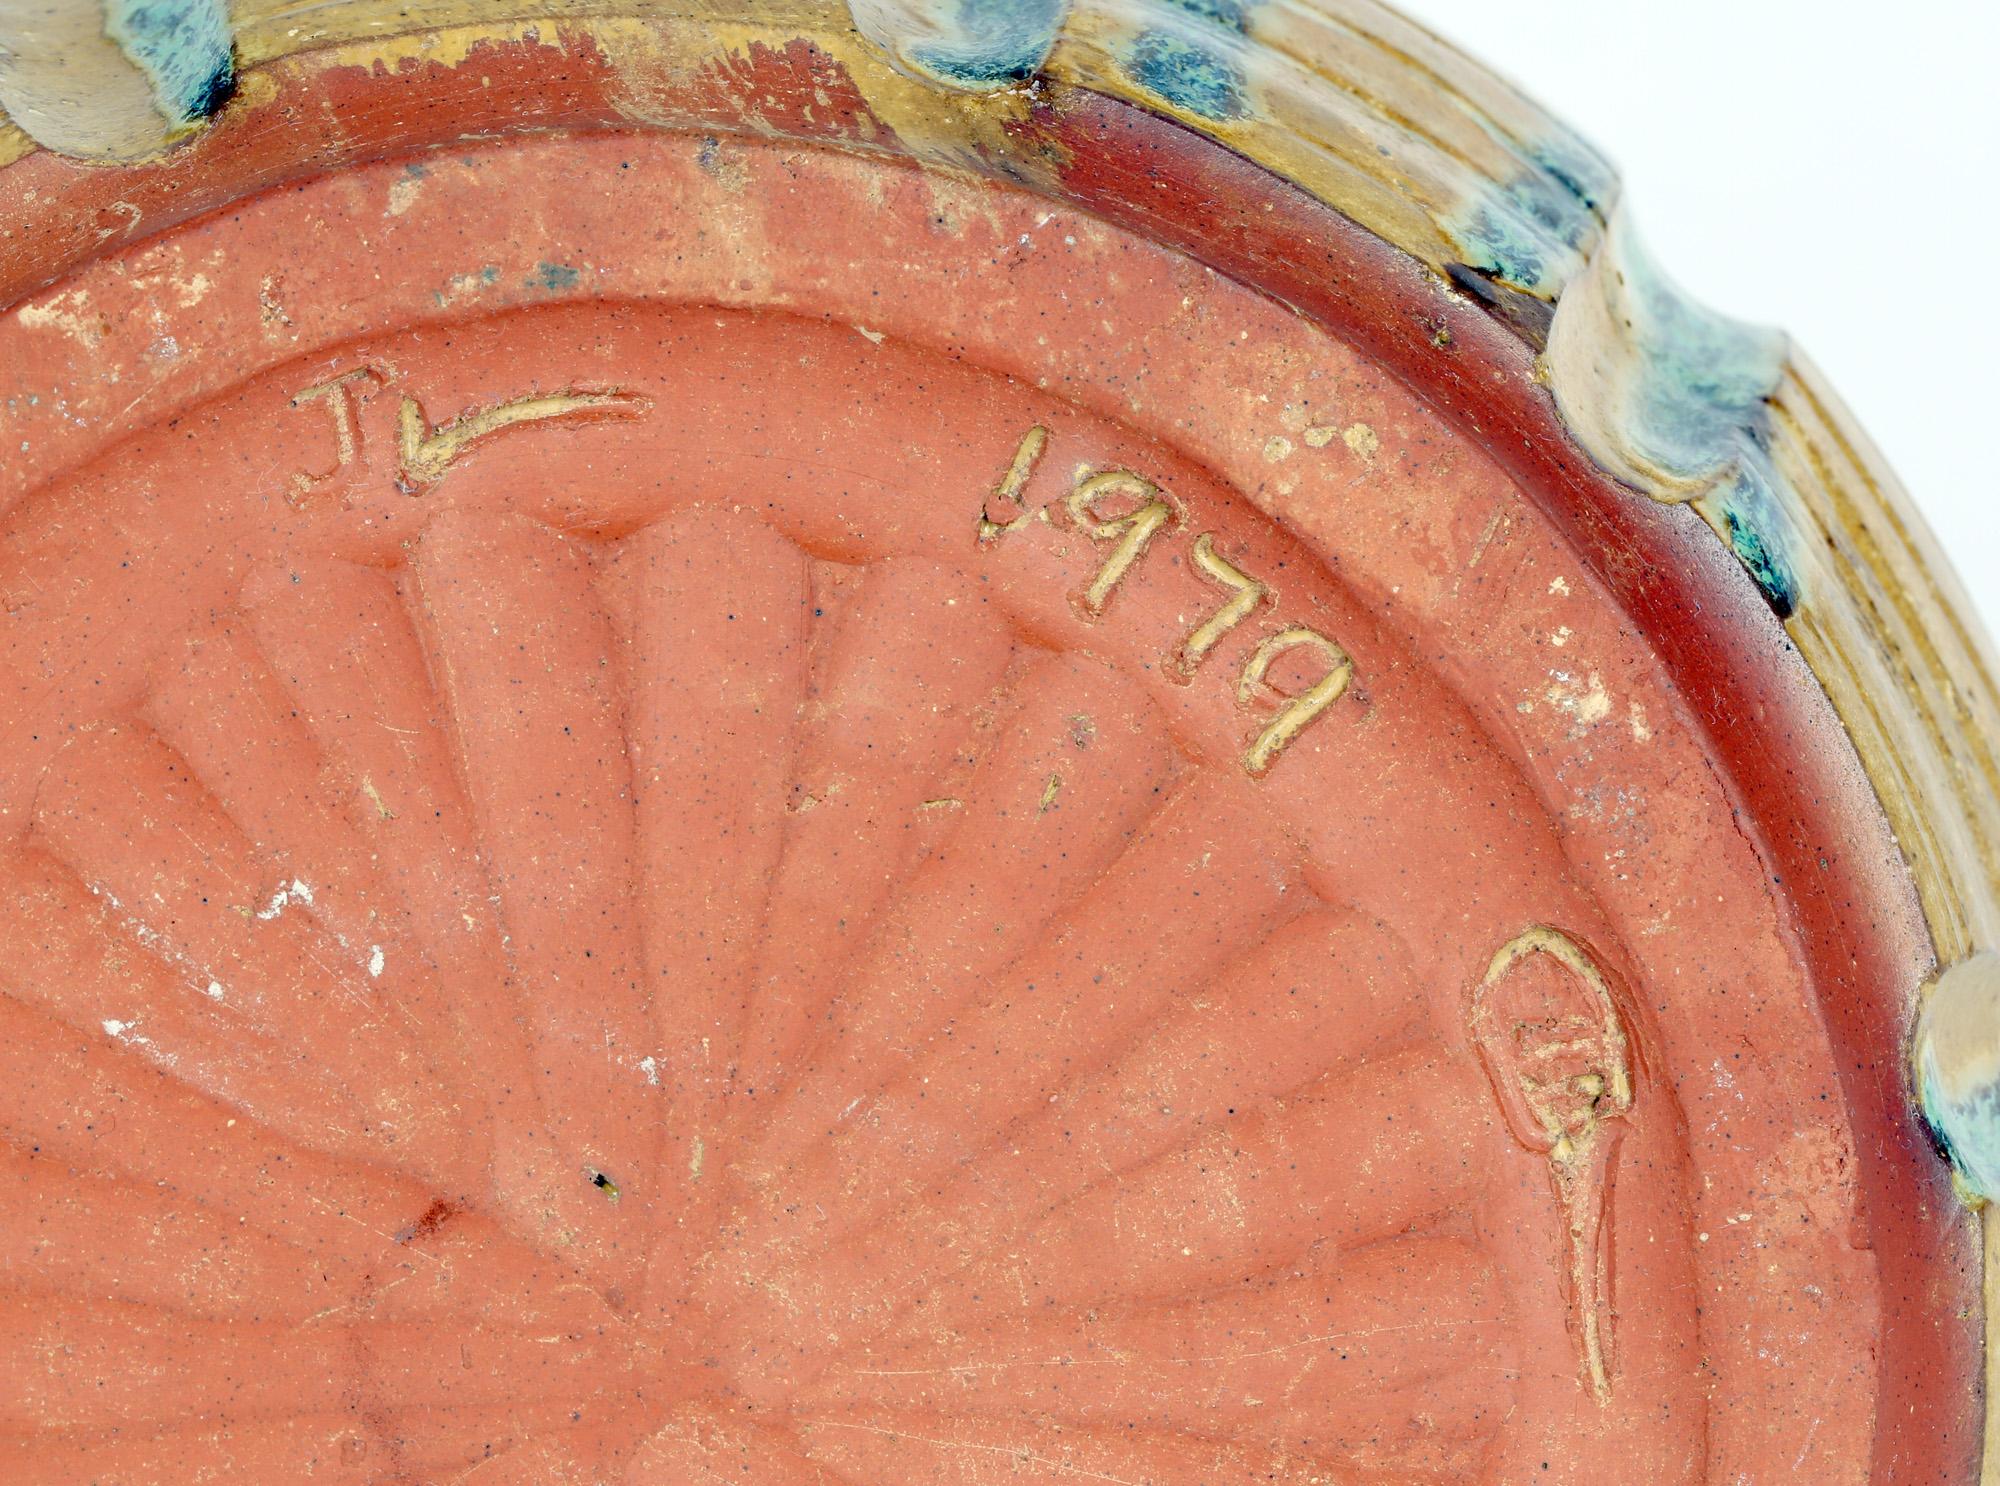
pixel 1204 151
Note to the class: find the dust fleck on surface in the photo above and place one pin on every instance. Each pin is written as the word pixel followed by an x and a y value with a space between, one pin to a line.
pixel 1363 441
pixel 1583 699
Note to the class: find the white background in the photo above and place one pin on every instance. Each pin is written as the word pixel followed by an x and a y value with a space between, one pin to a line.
pixel 1832 168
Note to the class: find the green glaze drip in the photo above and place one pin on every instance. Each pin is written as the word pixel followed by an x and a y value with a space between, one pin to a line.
pixel 1701 410
pixel 1674 398
pixel 185 49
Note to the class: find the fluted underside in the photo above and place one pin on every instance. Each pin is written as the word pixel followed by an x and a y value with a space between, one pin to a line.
pixel 677 998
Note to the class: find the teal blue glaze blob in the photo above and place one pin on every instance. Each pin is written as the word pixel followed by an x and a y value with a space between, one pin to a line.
pixel 1675 399
pixel 1190 57
pixel 978 46
pixel 1534 232
pixel 1233 14
pixel 1966 1133
pixel 556 278
pixel 185 48
pixel 1956 1063
pixel 1748 514
pixel 1186 53
pixel 992 43
pixel 1700 409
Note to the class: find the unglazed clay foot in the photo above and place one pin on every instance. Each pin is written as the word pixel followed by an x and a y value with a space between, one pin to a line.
pixel 917 748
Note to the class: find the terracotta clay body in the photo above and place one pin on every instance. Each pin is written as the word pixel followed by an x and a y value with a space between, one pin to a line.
pixel 746 814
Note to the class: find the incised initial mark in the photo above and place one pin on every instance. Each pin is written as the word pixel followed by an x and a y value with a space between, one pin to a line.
pixel 425 453
pixel 1556 1050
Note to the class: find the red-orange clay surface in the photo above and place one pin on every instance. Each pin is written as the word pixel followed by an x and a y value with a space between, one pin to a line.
pixel 688 811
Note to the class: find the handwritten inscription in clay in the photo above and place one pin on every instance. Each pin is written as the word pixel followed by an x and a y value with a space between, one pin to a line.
pixel 425 452
pixel 1128 514
pixel 1123 511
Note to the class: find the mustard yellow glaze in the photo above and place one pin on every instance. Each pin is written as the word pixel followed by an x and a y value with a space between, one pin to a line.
pixel 14 143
